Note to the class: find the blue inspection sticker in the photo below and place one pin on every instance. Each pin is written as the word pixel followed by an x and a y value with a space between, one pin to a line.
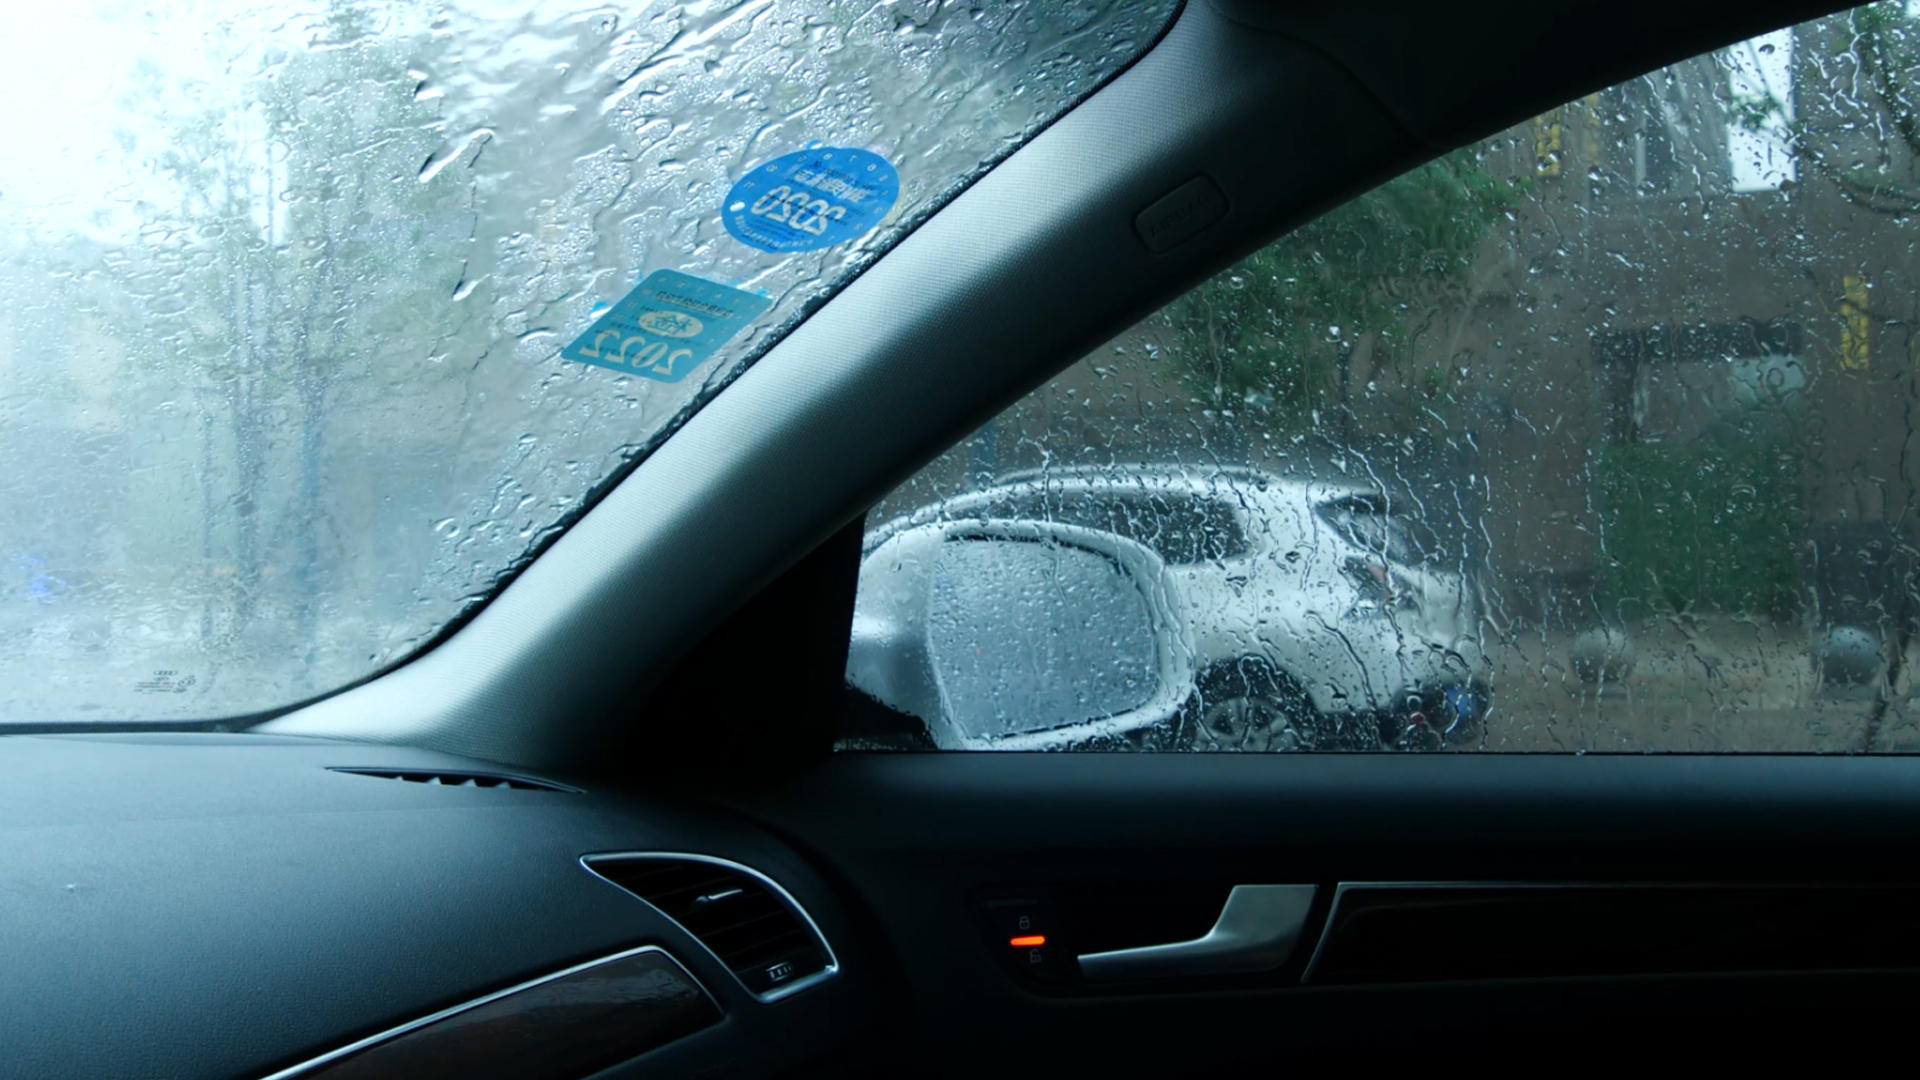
pixel 811 199
pixel 667 326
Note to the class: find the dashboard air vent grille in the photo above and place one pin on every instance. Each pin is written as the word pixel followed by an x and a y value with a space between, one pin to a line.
pixel 446 778
pixel 746 920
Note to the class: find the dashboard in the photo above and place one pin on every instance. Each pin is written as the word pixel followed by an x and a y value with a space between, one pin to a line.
pixel 208 905
pixel 271 907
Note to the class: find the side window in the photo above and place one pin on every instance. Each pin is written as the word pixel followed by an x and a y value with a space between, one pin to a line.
pixel 1367 522
pixel 1183 528
pixel 1596 435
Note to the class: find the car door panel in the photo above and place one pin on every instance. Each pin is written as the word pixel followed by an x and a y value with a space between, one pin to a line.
pixel 1653 898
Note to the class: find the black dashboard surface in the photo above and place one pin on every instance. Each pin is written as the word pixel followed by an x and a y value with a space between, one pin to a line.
pixel 205 905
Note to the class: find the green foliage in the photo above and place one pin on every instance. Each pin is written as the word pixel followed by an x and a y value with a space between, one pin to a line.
pixel 305 265
pixel 1887 50
pixel 1887 53
pixel 1706 525
pixel 1266 334
pixel 300 237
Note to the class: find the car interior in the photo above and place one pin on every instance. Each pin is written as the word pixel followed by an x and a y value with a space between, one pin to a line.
pixel 627 817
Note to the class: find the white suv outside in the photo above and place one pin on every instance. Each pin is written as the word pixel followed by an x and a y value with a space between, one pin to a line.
pixel 1315 623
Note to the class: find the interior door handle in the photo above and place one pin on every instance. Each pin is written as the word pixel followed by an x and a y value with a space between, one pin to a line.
pixel 1257 931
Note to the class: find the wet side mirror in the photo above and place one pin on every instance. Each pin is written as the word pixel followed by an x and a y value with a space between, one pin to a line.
pixel 1020 634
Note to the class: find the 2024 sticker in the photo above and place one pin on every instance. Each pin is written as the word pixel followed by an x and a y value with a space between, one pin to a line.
pixel 811 199
pixel 667 326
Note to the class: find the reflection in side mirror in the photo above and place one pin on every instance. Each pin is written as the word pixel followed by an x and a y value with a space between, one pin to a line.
pixel 1020 634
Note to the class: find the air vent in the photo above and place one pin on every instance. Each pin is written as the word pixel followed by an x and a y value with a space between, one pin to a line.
pixel 445 778
pixel 746 920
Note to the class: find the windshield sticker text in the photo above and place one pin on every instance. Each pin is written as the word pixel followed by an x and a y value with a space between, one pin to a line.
pixel 811 199
pixel 667 326
pixel 165 681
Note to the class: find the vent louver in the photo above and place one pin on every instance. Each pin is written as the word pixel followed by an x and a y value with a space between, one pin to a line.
pixel 746 920
pixel 445 778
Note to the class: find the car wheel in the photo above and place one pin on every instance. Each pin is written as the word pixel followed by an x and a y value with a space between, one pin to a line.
pixel 1251 707
pixel 1435 721
pixel 1415 733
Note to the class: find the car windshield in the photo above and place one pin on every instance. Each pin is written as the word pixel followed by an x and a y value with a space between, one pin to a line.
pixel 321 318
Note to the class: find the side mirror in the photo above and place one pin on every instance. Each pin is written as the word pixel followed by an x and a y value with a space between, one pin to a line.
pixel 1020 635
